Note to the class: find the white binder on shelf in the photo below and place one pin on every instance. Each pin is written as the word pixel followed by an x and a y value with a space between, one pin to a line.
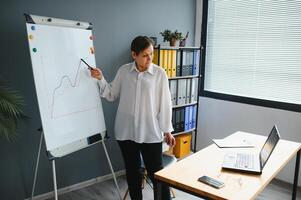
pixel 181 92
pixel 188 91
pixel 173 92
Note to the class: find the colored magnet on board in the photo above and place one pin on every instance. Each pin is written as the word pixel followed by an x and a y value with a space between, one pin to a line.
pixel 33 28
pixel 30 37
pixel 91 37
pixel 34 50
pixel 92 50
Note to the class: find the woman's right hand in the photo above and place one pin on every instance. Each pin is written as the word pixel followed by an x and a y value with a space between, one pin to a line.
pixel 96 73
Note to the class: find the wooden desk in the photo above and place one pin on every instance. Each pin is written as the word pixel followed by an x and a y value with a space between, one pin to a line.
pixel 183 175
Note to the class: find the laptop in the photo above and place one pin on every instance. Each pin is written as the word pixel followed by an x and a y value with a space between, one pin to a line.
pixel 252 163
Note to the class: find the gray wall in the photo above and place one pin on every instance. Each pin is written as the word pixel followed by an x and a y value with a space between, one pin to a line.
pixel 116 23
pixel 218 119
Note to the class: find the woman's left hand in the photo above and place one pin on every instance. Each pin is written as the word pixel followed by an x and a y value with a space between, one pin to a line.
pixel 169 139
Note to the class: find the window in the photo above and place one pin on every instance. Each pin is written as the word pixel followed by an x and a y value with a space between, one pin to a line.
pixel 252 52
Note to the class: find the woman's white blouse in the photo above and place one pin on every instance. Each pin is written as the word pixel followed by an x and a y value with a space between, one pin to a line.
pixel 144 112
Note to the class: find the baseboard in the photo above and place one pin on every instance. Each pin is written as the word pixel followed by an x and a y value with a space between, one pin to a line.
pixel 77 186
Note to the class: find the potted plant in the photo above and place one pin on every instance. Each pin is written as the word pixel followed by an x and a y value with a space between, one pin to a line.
pixel 171 37
pixel 10 111
pixel 183 41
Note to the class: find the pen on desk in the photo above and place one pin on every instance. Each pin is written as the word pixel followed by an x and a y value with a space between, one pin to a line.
pixel 90 68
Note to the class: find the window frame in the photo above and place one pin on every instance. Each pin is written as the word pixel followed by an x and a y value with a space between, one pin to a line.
pixel 227 97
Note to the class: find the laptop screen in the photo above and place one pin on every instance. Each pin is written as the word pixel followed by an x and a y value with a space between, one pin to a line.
pixel 269 145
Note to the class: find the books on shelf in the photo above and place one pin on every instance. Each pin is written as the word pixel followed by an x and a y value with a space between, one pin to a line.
pixel 182 68
pixel 183 91
pixel 184 119
pixel 178 62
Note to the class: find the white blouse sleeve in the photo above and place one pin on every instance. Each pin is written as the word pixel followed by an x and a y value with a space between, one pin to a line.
pixel 110 91
pixel 165 113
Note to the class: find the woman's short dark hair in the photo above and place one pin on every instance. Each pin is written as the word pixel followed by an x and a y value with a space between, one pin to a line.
pixel 140 43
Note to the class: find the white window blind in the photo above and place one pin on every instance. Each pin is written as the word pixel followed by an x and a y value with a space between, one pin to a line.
pixel 253 49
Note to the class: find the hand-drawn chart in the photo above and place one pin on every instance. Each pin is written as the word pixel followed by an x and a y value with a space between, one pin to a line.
pixel 68 97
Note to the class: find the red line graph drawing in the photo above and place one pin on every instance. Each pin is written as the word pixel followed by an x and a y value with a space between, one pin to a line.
pixel 70 83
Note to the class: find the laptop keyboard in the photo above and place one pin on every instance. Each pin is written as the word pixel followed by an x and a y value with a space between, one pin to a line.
pixel 244 161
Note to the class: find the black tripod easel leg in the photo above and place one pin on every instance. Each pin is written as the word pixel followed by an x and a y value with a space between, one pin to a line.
pixel 37 166
pixel 112 170
pixel 36 172
pixel 54 180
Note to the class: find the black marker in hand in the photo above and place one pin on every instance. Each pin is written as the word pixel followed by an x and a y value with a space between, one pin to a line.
pixel 89 67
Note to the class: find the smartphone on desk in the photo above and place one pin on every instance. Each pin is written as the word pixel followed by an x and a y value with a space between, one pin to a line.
pixel 211 181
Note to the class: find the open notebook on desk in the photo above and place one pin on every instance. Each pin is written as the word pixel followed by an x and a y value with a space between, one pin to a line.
pixel 233 143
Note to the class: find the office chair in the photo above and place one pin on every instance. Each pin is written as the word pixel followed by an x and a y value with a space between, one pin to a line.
pixel 167 158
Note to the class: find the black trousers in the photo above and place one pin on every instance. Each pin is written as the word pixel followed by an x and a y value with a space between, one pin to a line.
pixel 152 158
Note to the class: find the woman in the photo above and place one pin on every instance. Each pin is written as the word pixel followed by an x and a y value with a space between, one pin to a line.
pixel 143 118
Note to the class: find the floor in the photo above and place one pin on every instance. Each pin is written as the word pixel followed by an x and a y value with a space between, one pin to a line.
pixel 276 190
